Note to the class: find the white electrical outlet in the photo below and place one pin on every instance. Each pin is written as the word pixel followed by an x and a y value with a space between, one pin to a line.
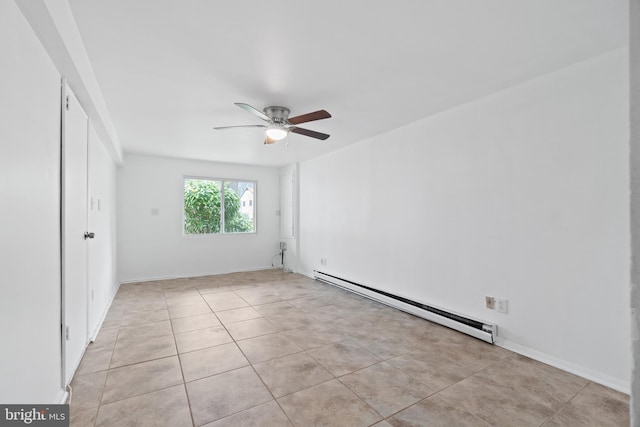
pixel 323 261
pixel 498 304
pixel 501 305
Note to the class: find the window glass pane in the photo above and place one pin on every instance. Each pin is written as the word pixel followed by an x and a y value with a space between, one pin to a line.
pixel 239 215
pixel 204 209
pixel 202 206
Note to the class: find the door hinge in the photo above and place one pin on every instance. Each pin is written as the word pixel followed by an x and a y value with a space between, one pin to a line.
pixel 67 102
pixel 66 333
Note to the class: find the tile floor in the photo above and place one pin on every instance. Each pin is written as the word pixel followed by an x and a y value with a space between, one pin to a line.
pixel 274 349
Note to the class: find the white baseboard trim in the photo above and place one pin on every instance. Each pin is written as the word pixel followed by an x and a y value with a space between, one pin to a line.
pixel 156 278
pixel 94 335
pixel 618 384
pixel 63 395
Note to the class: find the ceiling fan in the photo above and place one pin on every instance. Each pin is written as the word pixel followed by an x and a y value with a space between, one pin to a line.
pixel 279 124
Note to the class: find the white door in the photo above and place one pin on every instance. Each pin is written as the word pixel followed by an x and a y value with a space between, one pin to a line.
pixel 74 226
pixel 99 254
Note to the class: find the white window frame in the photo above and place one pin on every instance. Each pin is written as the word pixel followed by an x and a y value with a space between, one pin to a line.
pixel 222 228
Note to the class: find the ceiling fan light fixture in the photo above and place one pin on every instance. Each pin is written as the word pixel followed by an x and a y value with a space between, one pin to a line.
pixel 279 124
pixel 276 132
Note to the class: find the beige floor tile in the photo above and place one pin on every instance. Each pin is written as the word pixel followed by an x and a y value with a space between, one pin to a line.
pixel 141 378
pixel 189 310
pixel 220 296
pixel 144 331
pixel 137 317
pixel 228 304
pixel 112 322
pixel 353 325
pixel 237 315
pixel 266 415
pixel 106 338
pixel 211 361
pixel 385 388
pixel 87 390
pixel 202 338
pixel 83 418
pixel 315 335
pixel 384 423
pixel 328 404
pixel 180 292
pixel 438 414
pixel 131 351
pixel 146 304
pixel 595 405
pixel 260 298
pixel 94 360
pixel 533 380
pixel 496 404
pixel 385 346
pixel 290 321
pixel 251 328
pixel 328 313
pixel 311 303
pixel 213 288
pixel 225 394
pixel 291 373
pixel 468 352
pixel 343 357
pixel 167 407
pixel 432 368
pixel 267 347
pixel 277 308
pixel 192 323
pixel 181 301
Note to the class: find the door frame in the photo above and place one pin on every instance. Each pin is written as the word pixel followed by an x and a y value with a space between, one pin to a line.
pixel 66 94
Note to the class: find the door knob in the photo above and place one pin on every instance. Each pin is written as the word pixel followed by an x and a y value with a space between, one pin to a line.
pixel 88 235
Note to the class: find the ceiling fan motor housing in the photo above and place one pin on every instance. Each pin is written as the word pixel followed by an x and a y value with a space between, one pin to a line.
pixel 277 114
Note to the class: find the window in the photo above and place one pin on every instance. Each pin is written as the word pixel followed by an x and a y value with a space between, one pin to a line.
pixel 212 205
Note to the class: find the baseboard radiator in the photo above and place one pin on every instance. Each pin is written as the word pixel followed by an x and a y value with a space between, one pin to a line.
pixel 476 328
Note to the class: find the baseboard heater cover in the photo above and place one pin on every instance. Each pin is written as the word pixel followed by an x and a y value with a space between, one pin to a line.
pixel 476 328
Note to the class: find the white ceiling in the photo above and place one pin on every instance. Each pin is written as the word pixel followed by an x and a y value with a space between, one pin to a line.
pixel 171 70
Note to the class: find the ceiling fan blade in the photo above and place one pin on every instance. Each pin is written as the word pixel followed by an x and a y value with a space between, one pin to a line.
pixel 309 117
pixel 254 111
pixel 268 141
pixel 311 133
pixel 241 126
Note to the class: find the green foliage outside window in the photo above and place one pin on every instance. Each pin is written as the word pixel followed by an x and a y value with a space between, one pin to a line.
pixel 202 208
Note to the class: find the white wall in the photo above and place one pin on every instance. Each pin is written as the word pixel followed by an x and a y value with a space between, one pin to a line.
pixel 635 206
pixel 30 365
pixel 103 281
pixel 289 219
pixel 523 195
pixel 151 247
